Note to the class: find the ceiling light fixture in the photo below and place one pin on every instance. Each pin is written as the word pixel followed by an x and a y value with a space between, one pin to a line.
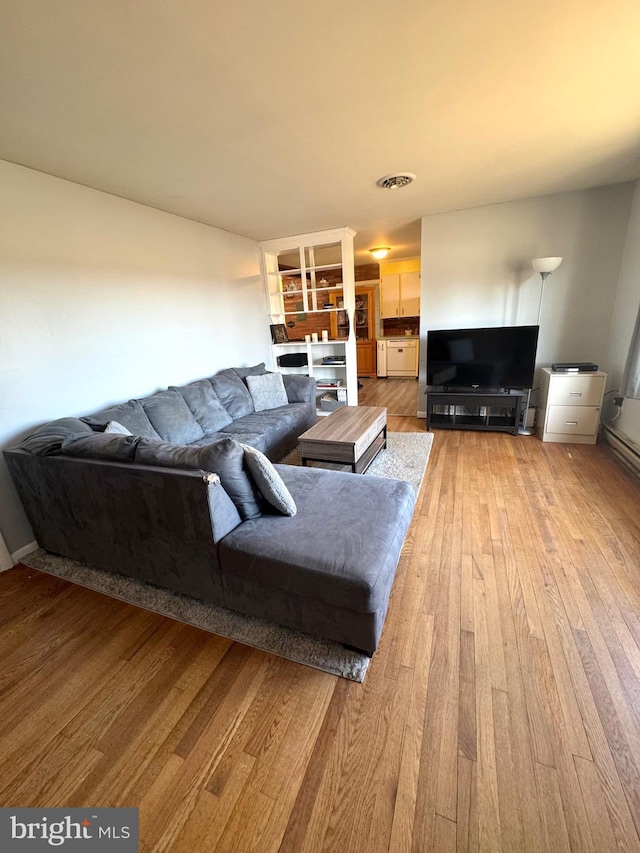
pixel 395 182
pixel 380 252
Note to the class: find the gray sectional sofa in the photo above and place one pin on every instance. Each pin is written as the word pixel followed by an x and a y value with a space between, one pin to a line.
pixel 166 489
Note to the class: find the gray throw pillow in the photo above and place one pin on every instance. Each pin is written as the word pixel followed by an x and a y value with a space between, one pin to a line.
pixel 224 458
pixel 114 428
pixel 267 391
pixel 269 482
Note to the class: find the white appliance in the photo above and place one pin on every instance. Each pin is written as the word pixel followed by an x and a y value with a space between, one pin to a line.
pixel 382 358
pixel 402 357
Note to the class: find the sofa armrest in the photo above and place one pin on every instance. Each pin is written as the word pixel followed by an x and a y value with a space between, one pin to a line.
pixel 300 389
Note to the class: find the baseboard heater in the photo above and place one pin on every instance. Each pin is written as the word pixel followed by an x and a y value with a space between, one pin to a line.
pixel 624 448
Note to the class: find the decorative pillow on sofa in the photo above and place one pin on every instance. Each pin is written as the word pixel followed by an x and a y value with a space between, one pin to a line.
pixel 171 417
pixel 224 458
pixel 267 391
pixel 114 428
pixel 268 481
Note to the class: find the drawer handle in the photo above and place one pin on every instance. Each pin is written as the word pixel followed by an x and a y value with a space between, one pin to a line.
pixel 575 393
pixel 571 423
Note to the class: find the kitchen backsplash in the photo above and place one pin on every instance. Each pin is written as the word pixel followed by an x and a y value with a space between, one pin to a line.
pixel 399 325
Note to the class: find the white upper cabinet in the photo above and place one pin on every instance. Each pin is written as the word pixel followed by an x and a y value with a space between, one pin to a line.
pixel 400 295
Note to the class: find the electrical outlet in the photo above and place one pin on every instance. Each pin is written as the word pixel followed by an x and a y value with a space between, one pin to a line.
pixel 618 401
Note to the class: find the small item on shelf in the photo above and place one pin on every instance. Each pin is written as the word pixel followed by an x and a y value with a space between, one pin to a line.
pixel 279 333
pixel 334 359
pixel 325 335
pixel 329 402
pixel 323 282
pixel 314 337
pixel 328 305
pixel 307 339
pixel 329 383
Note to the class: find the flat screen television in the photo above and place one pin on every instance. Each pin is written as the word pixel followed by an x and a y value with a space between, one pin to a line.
pixel 502 357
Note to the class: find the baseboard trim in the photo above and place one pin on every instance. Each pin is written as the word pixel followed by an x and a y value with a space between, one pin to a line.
pixel 17 556
pixel 626 451
pixel 421 415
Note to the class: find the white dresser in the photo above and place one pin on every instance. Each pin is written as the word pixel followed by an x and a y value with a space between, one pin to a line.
pixel 570 406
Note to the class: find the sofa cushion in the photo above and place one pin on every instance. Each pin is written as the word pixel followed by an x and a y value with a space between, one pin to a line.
pixel 256 370
pixel 114 428
pixel 130 414
pixel 267 391
pixel 300 389
pixel 224 458
pixel 315 554
pixel 254 439
pixel 102 445
pixel 47 441
pixel 204 405
pixel 232 393
pixel 171 417
pixel 269 482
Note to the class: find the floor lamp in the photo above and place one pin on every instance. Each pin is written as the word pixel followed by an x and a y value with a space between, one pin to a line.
pixel 545 266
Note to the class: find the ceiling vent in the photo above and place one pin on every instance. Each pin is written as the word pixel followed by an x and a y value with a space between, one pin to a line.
pixel 395 182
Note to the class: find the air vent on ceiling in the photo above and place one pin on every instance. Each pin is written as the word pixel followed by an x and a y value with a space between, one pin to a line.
pixel 394 182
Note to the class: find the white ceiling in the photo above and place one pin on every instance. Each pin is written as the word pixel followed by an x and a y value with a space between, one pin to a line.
pixel 274 117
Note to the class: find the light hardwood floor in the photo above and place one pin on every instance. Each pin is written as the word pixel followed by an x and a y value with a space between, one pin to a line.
pixel 400 396
pixel 501 711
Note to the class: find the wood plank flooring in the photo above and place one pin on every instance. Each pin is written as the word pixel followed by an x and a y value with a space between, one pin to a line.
pixel 400 396
pixel 501 711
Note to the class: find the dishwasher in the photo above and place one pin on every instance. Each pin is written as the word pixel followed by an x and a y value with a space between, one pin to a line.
pixel 402 357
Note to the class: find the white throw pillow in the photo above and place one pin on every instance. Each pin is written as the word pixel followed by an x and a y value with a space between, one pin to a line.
pixel 267 391
pixel 117 429
pixel 268 482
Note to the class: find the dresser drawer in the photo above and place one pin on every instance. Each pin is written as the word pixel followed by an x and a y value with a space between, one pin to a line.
pixel 572 390
pixel 573 420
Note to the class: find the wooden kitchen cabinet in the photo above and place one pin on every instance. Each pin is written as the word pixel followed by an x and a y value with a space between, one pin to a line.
pixel 366 352
pixel 400 295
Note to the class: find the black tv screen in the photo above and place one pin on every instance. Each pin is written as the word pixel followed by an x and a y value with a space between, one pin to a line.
pixel 501 357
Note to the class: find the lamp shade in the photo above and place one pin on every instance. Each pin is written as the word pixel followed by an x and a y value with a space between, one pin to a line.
pixel 546 264
pixel 380 252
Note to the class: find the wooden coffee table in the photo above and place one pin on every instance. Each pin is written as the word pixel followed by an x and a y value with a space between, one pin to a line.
pixel 352 435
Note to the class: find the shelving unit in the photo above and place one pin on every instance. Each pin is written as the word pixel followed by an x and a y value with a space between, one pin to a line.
pixel 315 267
pixel 498 412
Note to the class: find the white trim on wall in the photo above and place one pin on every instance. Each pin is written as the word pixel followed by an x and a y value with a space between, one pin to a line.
pixel 6 561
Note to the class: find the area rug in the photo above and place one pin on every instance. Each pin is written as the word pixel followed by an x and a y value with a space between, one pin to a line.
pixel 405 458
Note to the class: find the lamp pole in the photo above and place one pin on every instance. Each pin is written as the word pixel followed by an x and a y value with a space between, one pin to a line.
pixel 544 266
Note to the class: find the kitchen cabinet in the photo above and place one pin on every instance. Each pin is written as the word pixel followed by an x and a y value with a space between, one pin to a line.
pixel 364 320
pixel 312 275
pixel 571 406
pixel 366 352
pixel 400 295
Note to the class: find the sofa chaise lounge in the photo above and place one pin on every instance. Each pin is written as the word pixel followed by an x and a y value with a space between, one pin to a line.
pixel 173 498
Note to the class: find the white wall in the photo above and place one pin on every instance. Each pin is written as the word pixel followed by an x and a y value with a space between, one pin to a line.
pixel 624 317
pixel 476 270
pixel 102 299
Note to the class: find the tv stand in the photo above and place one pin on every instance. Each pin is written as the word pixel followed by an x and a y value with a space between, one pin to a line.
pixel 498 411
